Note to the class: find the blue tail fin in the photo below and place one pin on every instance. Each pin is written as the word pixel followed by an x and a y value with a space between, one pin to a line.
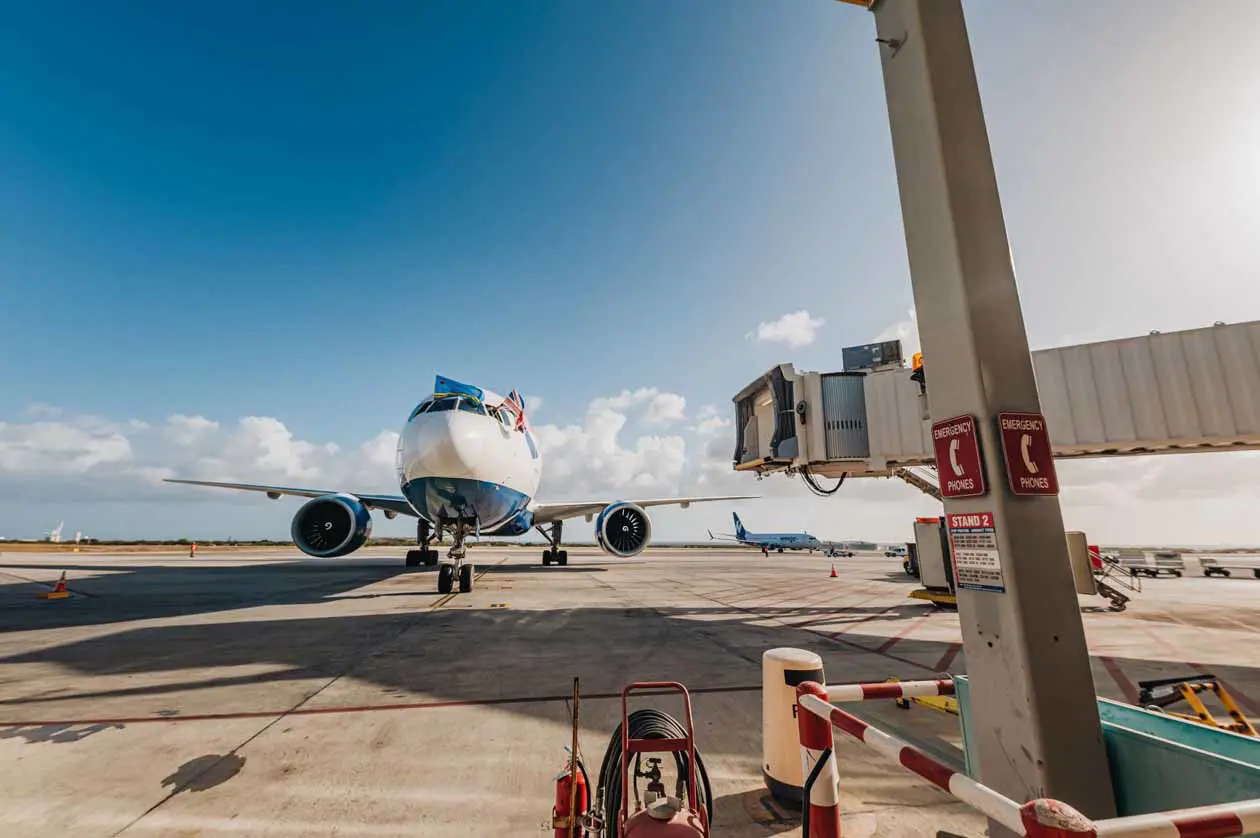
pixel 740 532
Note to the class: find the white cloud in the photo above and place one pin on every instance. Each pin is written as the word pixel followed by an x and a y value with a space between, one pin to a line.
pixel 709 421
pixel 590 460
pixel 61 447
pixel 665 408
pixel 185 430
pixel 659 408
pixel 795 329
pixel 906 331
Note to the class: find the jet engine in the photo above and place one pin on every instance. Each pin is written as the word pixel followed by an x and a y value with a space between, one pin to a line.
pixel 623 529
pixel 331 526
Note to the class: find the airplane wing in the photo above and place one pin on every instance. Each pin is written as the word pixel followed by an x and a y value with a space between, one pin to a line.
pixel 722 536
pixel 390 503
pixel 549 513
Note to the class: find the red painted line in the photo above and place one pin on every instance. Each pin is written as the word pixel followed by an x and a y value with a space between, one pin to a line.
pixel 867 618
pixel 896 638
pixel 947 659
pixel 1209 826
pixel 367 708
pixel 927 768
pixel 1122 680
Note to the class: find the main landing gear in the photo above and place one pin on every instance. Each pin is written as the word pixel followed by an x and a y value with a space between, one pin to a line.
pixel 423 556
pixel 554 554
pixel 454 569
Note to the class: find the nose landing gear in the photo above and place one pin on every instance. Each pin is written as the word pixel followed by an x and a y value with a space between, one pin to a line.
pixel 454 569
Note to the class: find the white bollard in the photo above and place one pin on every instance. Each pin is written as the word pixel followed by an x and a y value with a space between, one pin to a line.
pixel 781 670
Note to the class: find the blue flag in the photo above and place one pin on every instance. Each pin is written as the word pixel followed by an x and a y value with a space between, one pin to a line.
pixel 448 387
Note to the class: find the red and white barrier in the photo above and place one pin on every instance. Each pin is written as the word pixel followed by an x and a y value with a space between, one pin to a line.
pixel 816 739
pixel 1035 819
pixel 1201 822
pixel 979 797
pixel 841 693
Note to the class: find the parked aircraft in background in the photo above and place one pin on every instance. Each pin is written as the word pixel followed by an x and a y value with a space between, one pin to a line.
pixel 468 465
pixel 779 541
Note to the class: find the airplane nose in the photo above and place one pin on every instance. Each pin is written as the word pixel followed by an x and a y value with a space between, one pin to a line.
pixel 442 445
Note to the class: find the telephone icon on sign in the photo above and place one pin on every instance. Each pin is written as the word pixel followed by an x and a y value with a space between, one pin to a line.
pixel 1024 442
pixel 953 458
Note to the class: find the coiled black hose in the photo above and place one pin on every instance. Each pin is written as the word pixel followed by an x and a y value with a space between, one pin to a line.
pixel 647 724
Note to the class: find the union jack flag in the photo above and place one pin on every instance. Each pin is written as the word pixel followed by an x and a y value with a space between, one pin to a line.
pixel 517 405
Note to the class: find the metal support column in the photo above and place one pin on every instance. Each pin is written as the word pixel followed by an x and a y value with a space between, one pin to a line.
pixel 1032 691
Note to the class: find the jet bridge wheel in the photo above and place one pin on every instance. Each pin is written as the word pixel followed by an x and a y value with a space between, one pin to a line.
pixel 466 578
pixel 446 578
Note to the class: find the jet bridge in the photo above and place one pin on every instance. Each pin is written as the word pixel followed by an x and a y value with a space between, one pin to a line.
pixel 1177 392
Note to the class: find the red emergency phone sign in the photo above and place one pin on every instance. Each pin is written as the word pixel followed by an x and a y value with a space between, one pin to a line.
pixel 957 447
pixel 1026 450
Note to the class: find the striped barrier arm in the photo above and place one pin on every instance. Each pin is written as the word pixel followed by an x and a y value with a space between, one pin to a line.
pixel 981 798
pixel 1224 819
pixel 1035 819
pixel 841 693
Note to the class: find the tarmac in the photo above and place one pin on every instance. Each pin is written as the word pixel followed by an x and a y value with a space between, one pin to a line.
pixel 260 693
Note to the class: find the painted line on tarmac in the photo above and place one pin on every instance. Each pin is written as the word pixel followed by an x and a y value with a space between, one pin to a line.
pixel 947 659
pixel 1122 680
pixel 448 597
pixel 905 631
pixel 367 708
pixel 835 638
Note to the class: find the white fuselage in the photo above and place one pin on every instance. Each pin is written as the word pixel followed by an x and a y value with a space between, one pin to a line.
pixel 458 463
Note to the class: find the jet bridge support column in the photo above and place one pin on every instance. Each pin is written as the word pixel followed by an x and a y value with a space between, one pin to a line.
pixel 1032 689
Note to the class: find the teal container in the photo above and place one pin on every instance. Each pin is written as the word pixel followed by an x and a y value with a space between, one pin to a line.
pixel 1158 762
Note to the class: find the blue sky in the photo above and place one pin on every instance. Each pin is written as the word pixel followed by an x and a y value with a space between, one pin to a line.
pixel 306 211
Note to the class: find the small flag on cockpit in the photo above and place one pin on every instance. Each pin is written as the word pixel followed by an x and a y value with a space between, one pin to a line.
pixel 517 404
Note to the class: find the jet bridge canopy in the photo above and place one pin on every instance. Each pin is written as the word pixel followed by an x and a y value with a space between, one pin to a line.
pixel 1187 391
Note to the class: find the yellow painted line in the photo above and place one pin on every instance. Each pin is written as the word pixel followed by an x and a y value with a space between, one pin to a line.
pixel 443 600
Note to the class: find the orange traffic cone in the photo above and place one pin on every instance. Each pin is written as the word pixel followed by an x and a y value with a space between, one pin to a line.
pixel 833 570
pixel 59 590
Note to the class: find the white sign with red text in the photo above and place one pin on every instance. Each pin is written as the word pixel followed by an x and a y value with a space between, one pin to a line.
pixel 974 549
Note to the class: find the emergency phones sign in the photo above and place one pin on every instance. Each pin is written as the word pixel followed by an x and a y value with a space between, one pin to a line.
pixel 1029 458
pixel 958 466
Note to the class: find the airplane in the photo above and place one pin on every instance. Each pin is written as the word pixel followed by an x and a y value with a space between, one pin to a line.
pixel 770 540
pixel 468 465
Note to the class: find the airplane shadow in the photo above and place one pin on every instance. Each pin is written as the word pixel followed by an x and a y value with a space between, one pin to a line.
pixel 106 593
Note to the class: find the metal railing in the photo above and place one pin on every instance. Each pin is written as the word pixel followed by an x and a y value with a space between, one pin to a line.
pixel 817 718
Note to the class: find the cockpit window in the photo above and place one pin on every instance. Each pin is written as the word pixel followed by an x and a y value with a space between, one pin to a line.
pixel 446 403
pixel 471 406
pixel 421 408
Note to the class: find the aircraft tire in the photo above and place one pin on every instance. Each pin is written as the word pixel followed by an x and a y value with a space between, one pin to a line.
pixel 446 578
pixel 546 558
pixel 414 558
pixel 562 557
pixel 430 558
pixel 466 579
